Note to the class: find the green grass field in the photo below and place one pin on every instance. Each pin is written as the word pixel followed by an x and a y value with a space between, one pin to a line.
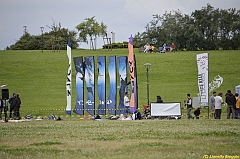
pixel 40 78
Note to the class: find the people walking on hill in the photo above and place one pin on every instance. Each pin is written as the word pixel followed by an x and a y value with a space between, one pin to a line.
pixel 189 106
pixel 231 104
pixel 218 105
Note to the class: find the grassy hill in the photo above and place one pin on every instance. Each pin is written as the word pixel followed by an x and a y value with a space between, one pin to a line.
pixel 40 78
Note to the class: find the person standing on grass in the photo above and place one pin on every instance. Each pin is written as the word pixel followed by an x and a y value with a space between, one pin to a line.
pixel 126 103
pixel 189 106
pixel 231 104
pixel 218 106
pixel 11 102
pixel 212 104
pixel 1 107
pixel 17 104
pixel 237 106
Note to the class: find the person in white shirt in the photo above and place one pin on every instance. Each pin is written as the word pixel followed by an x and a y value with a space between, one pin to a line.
pixel 126 103
pixel 218 105
pixel 147 47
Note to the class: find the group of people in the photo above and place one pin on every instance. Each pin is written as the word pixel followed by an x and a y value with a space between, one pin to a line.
pixel 165 48
pixel 150 48
pixel 15 104
pixel 232 102
pixel 216 102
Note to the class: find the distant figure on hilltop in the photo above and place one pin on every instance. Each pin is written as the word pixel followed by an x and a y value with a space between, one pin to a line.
pixel 147 48
pixel 172 48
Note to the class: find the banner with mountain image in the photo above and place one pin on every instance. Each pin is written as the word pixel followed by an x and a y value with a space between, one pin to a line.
pixel 112 97
pixel 122 69
pixel 80 73
pixel 90 84
pixel 202 63
pixel 102 85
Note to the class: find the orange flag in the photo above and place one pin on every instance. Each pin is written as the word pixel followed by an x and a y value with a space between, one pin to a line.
pixel 132 74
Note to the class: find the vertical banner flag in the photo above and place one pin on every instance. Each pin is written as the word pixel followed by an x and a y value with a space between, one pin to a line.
pixel 102 85
pixel 132 74
pixel 202 63
pixel 89 77
pixel 112 97
pixel 69 79
pixel 80 73
pixel 135 83
pixel 122 69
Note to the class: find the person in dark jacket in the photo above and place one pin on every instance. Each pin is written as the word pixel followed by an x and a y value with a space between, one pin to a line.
pixel 138 115
pixel 159 99
pixel 197 113
pixel 11 102
pixel 1 108
pixel 17 104
pixel 231 104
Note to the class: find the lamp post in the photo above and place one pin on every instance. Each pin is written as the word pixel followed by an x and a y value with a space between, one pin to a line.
pixel 42 28
pixel 147 66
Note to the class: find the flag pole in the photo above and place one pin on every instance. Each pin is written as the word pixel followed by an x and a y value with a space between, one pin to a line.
pixel 208 87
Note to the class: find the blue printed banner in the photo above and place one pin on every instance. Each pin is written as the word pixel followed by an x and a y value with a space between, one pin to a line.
pixel 122 69
pixel 89 77
pixel 102 85
pixel 112 97
pixel 80 73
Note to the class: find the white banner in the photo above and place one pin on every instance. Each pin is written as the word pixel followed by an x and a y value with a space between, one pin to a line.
pixel 165 109
pixel 69 80
pixel 202 63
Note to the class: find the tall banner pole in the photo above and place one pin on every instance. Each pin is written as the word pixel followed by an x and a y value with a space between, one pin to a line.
pixel 80 75
pixel 208 87
pixel 102 85
pixel 202 63
pixel 131 64
pixel 122 69
pixel 69 81
pixel 112 97
pixel 90 83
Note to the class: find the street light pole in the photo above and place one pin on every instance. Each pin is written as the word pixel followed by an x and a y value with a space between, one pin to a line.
pixel 42 28
pixel 147 66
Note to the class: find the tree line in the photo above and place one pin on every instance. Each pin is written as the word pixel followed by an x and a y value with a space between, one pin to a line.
pixel 204 29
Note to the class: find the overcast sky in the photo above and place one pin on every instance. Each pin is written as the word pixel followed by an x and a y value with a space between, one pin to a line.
pixel 124 17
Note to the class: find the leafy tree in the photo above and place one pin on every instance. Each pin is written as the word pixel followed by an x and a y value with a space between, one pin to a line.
pixel 205 29
pixel 32 42
pixel 92 29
